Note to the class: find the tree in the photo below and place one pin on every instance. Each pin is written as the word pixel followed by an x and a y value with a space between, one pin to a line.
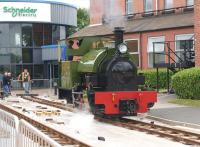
pixel 83 20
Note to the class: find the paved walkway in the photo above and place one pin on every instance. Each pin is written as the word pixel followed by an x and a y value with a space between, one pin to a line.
pixel 175 112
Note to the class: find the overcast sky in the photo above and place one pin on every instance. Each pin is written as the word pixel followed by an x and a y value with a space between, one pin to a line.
pixel 78 3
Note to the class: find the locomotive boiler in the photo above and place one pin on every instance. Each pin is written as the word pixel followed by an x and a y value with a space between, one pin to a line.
pixel 107 74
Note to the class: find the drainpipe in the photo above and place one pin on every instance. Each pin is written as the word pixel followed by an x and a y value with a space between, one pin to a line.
pixel 141 59
pixel 156 7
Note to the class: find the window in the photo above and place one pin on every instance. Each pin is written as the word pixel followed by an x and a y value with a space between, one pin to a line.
pixel 16 55
pixel 168 4
pixel 55 33
pixel 129 7
pixel 15 35
pixel 37 56
pixel 184 41
pixel 38 71
pixel 27 35
pixel 27 55
pixel 38 34
pixel 63 34
pixel 190 2
pixel 148 6
pixel 47 34
pixel 133 48
pixel 5 57
pixel 4 37
pixel 158 48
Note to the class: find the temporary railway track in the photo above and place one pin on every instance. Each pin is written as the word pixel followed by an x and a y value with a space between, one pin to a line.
pixel 59 137
pixel 48 102
pixel 184 137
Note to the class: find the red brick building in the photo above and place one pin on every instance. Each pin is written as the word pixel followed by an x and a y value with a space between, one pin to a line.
pixel 146 22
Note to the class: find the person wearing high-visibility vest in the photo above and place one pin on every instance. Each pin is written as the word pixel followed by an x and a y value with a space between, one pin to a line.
pixel 25 78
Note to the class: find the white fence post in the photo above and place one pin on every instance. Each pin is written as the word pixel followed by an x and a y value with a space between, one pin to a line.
pixel 30 136
pixel 8 129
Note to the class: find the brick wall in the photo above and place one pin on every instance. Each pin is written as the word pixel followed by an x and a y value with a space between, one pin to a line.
pixel 98 7
pixel 96 11
pixel 197 31
pixel 143 39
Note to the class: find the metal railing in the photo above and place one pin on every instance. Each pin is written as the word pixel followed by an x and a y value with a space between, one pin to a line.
pixel 15 133
pixel 34 84
pixel 29 136
pixel 8 129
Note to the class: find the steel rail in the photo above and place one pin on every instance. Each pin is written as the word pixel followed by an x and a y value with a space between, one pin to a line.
pixel 48 102
pixel 177 135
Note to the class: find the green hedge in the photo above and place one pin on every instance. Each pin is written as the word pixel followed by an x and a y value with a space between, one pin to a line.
pixel 151 78
pixel 186 83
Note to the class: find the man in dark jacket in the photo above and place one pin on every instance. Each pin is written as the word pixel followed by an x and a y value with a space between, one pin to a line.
pixel 9 82
pixel 5 85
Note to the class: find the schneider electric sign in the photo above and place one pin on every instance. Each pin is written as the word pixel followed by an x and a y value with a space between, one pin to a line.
pixel 19 11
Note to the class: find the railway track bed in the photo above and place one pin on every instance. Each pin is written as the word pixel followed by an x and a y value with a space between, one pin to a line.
pixel 82 126
pixel 185 137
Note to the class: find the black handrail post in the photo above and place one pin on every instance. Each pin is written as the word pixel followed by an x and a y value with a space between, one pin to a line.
pixel 168 82
pixel 157 74
pixel 154 60
pixel 169 63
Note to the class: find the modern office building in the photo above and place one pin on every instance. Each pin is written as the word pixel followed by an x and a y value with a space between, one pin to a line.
pixel 25 26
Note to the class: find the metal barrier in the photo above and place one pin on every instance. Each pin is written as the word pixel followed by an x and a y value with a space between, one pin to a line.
pixel 15 133
pixel 8 129
pixel 29 136
pixel 36 83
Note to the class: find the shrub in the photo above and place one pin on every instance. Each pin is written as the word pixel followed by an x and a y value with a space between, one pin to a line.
pixel 186 83
pixel 151 78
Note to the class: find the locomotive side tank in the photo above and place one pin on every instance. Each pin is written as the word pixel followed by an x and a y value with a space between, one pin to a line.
pixel 109 77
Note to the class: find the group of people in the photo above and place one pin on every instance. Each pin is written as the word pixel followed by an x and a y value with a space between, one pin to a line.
pixel 24 77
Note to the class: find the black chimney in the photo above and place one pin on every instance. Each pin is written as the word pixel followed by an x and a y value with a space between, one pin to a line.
pixel 119 35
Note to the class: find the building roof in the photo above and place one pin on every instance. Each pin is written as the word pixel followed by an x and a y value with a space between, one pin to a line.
pixel 140 25
pixel 59 2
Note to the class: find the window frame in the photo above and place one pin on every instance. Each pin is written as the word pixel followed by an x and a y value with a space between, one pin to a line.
pixel 177 51
pixel 151 52
pixel 135 53
pixel 127 7
pixel 165 4
pixel 180 40
pixel 187 2
pixel 145 4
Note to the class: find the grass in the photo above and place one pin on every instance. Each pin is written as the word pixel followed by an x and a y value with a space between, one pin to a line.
pixel 186 102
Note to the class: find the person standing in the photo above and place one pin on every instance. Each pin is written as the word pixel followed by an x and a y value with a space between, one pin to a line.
pixel 5 85
pixel 9 78
pixel 25 76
